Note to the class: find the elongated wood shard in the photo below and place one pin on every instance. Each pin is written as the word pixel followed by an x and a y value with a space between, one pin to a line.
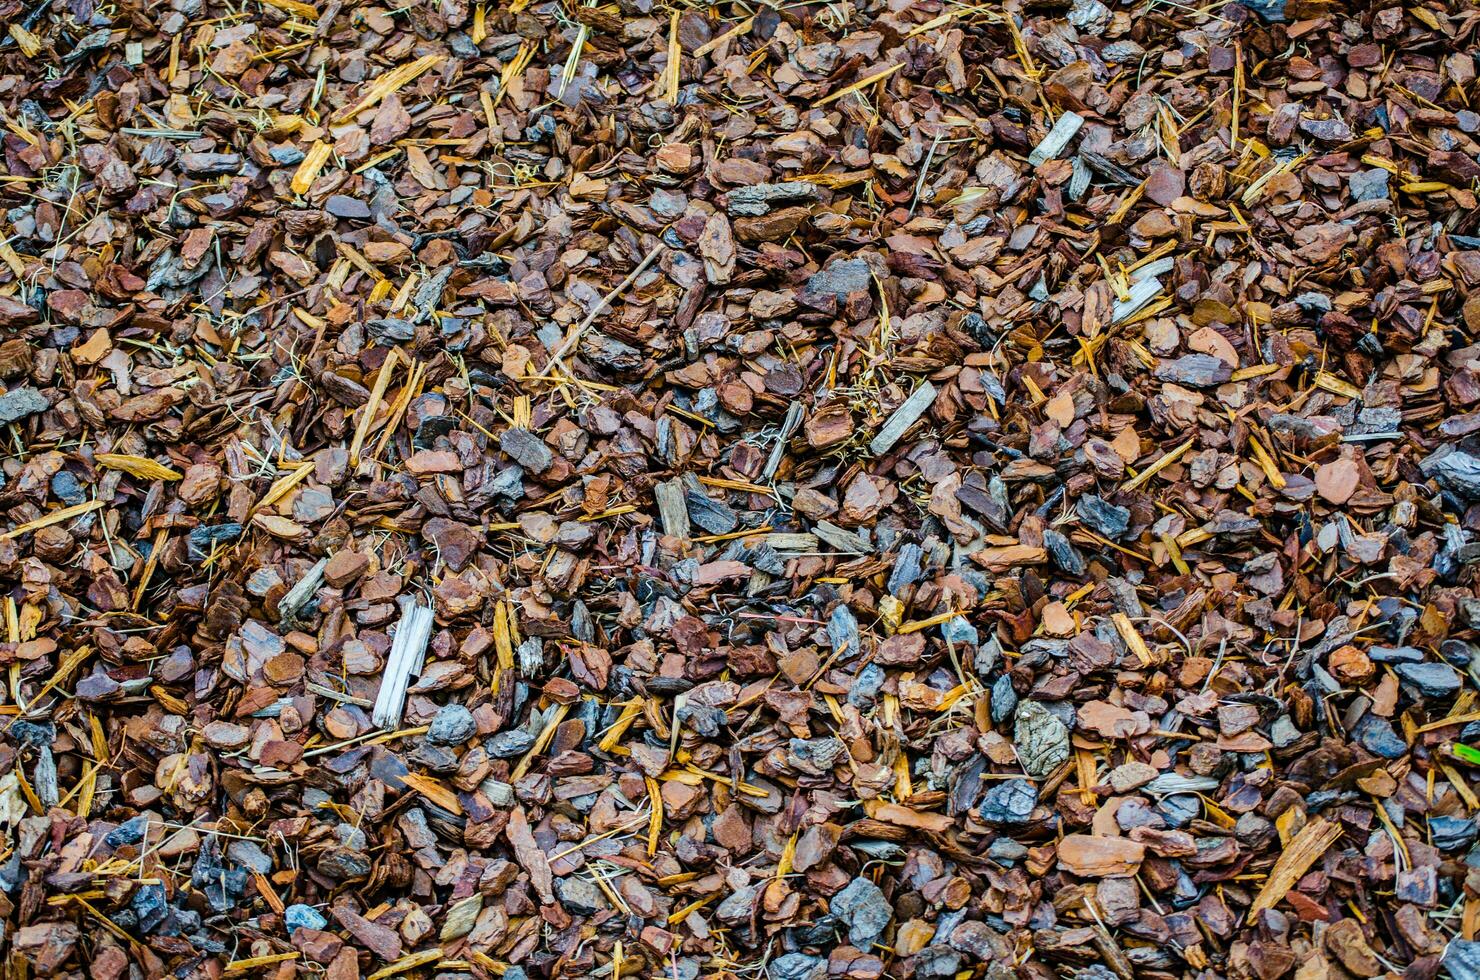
pixel 1156 467
pixel 671 507
pixel 906 415
pixel 390 82
pixel 55 517
pixel 296 597
pixel 1141 292
pixel 407 656
pixel 1299 855
pixel 778 451
pixel 146 469
pixel 1064 129
pixel 308 168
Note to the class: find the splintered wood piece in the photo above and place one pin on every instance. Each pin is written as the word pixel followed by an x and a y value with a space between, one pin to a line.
pixel 29 43
pixel 1141 292
pixel 1064 129
pixel 64 670
pixel 308 168
pixel 306 11
pixel 675 57
pixel 906 415
pixel 1133 640
pixel 409 390
pixel 433 791
pixel 1146 475
pixel 713 43
pixel 408 653
pixel 390 82
pixel 1302 852
pixel 160 537
pixel 258 962
pixel 139 466
pixel 841 538
pixel 672 509
pixel 778 451
pixel 55 517
pixel 407 963
pixel 295 598
pixel 283 485
pixel 367 414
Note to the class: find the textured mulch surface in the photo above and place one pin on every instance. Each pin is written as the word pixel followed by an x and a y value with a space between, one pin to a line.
pixel 762 490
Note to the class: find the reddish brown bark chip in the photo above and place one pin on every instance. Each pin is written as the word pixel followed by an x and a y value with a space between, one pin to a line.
pixel 1100 857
